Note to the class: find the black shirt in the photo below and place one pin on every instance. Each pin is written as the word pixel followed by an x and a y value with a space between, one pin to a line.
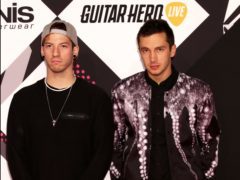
pixel 159 162
pixel 79 147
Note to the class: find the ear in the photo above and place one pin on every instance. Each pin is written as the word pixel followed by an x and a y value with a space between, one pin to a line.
pixel 75 50
pixel 42 52
pixel 173 51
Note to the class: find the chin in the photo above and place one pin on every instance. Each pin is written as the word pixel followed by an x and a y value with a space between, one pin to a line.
pixel 57 70
pixel 155 72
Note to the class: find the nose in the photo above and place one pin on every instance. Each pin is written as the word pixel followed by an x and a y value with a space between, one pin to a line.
pixel 55 51
pixel 152 56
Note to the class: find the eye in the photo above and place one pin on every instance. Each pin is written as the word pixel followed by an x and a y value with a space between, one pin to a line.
pixel 63 45
pixel 47 45
pixel 160 49
pixel 144 50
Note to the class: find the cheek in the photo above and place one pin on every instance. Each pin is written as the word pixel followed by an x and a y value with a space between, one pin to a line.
pixel 145 61
pixel 163 57
pixel 47 52
pixel 68 54
pixel 145 58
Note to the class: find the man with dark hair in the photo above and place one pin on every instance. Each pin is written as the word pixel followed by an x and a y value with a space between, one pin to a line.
pixel 166 123
pixel 61 127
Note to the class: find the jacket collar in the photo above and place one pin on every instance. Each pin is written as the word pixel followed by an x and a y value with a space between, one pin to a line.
pixel 166 84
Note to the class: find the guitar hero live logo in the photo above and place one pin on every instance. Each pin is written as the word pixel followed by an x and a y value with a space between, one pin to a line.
pixel 135 13
pixel 112 13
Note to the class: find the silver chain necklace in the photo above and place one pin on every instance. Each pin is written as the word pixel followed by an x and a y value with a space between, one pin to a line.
pixel 54 121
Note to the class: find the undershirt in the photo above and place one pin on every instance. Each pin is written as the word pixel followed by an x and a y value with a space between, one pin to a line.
pixel 159 161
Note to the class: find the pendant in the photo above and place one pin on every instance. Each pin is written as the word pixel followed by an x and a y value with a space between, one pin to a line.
pixel 54 122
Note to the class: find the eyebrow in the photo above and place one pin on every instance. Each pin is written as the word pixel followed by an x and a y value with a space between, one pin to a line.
pixel 162 46
pixel 59 43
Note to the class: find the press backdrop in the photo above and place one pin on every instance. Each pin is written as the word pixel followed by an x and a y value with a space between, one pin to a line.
pixel 207 36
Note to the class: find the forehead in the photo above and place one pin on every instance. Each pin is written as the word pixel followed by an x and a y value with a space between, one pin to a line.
pixel 56 38
pixel 153 39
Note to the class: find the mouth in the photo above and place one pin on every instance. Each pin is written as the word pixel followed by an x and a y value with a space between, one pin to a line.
pixel 56 61
pixel 154 67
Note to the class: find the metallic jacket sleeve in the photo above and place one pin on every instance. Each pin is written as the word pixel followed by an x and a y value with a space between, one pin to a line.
pixel 119 136
pixel 208 134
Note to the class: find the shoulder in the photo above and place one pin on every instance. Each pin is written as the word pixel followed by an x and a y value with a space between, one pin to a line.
pixel 87 89
pixel 193 84
pixel 130 82
pixel 27 94
pixel 193 81
pixel 30 90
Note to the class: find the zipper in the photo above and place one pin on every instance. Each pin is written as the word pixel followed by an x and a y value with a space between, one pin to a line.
pixel 127 157
pixel 149 125
pixel 134 142
pixel 148 153
pixel 124 151
pixel 191 170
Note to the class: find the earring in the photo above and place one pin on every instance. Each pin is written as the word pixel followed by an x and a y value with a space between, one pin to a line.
pixel 74 57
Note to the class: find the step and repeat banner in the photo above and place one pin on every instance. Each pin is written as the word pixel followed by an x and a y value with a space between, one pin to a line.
pixel 208 45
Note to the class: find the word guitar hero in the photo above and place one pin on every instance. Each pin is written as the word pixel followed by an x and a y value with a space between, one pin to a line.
pixel 120 13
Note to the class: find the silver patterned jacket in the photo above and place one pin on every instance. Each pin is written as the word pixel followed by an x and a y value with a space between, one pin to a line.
pixel 192 131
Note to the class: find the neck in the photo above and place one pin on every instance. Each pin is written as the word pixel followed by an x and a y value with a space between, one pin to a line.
pixel 60 82
pixel 159 79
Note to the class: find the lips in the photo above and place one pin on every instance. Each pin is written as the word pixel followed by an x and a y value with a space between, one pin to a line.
pixel 56 61
pixel 154 67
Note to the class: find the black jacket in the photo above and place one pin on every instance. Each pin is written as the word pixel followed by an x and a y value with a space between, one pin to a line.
pixel 192 131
